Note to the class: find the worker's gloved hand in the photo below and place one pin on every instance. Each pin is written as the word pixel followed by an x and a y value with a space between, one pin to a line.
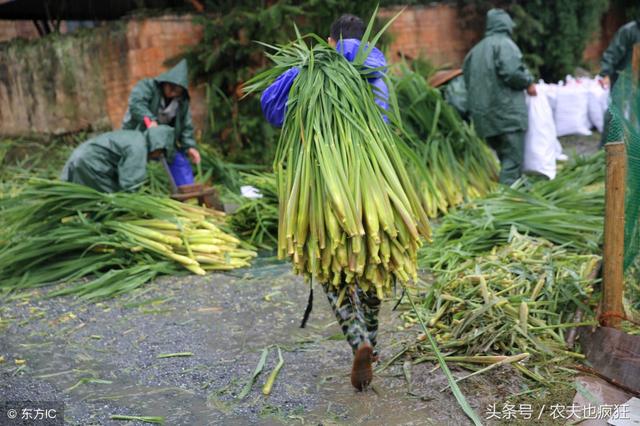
pixel 194 155
pixel 605 82
pixel 531 90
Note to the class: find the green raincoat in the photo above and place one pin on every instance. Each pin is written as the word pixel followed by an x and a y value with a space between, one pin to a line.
pixel 145 100
pixel 496 77
pixel 116 161
pixel 618 55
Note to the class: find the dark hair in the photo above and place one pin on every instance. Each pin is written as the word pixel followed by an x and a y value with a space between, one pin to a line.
pixel 347 26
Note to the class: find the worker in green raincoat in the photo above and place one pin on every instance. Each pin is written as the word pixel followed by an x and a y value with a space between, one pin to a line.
pixel 496 78
pixel 117 161
pixel 165 100
pixel 618 55
pixel 617 58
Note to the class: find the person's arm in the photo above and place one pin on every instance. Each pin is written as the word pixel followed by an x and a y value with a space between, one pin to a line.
pixel 614 54
pixel 510 68
pixel 132 167
pixel 274 98
pixel 139 101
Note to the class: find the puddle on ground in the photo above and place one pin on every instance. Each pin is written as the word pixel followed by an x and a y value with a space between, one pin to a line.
pixel 224 320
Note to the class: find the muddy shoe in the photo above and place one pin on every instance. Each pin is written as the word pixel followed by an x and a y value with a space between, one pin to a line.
pixel 361 372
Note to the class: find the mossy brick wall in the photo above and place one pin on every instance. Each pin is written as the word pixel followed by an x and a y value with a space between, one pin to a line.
pixel 437 32
pixel 148 43
pixel 82 81
pixel 432 31
pixel 51 85
pixel 67 83
pixel 13 29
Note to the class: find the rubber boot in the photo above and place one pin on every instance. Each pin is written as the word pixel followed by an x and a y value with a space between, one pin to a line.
pixel 362 372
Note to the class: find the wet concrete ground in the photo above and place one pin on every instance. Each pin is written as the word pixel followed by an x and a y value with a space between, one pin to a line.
pixel 225 321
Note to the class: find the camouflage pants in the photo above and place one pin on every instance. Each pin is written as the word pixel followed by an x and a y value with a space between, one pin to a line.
pixel 357 313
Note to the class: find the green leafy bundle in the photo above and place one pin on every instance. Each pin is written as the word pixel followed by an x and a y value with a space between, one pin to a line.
pixel 348 211
pixel 57 231
pixel 459 165
pixel 568 211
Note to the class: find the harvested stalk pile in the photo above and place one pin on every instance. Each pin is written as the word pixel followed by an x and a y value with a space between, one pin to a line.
pixel 459 164
pixel 348 210
pixel 256 220
pixel 511 269
pixel 57 231
pixel 568 210
pixel 518 298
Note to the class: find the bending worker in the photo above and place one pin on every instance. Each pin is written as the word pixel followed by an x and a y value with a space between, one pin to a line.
pixel 496 79
pixel 165 100
pixel 117 161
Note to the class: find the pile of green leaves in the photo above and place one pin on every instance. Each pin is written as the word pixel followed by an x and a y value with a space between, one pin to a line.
pixel 519 298
pixel 58 231
pixel 568 211
pixel 256 219
pixel 458 164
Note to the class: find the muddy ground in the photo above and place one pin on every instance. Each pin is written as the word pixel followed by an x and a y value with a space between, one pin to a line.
pixel 225 320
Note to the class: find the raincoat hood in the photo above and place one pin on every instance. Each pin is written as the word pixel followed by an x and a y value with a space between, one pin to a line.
pixel 179 75
pixel 499 21
pixel 161 137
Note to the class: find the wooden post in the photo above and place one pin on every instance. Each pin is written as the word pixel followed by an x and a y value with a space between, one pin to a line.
pixel 613 277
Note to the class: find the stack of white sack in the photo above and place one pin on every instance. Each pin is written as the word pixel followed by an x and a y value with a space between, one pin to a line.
pixel 541 146
pixel 572 108
pixel 578 104
pixel 598 103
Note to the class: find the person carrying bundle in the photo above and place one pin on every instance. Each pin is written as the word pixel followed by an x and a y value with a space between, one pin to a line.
pixel 356 310
pixel 116 161
pixel 165 100
pixel 496 78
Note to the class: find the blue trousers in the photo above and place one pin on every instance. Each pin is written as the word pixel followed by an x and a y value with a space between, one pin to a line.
pixel 181 169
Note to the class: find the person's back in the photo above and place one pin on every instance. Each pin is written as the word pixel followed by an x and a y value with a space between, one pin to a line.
pixel 115 161
pixel 496 77
pixel 346 40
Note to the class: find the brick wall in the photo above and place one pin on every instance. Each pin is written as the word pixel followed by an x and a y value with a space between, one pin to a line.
pixel 432 31
pixel 610 23
pixel 148 44
pixel 13 29
pixel 67 83
pixel 437 31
